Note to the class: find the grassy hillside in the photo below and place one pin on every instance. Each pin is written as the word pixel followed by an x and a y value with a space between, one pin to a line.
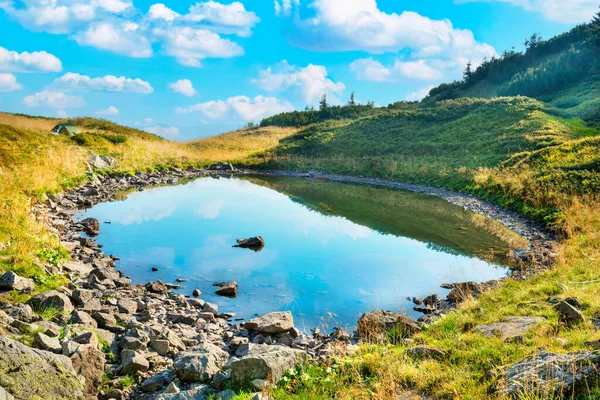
pixel 34 163
pixel 563 71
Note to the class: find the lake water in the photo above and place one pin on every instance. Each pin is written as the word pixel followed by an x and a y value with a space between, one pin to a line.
pixel 333 251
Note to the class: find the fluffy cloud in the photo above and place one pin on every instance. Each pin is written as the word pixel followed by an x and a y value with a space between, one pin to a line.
pixel 226 18
pixel 419 94
pixel 359 25
pixel 310 83
pixel 565 11
pixel 8 83
pixel 367 69
pixel 240 107
pixel 112 110
pixel 107 83
pixel 190 45
pixel 38 61
pixel 168 132
pixel 52 99
pixel 125 38
pixel 117 26
pixel 285 6
pixel 183 86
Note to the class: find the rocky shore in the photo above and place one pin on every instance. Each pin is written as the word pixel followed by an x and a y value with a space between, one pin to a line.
pixel 109 339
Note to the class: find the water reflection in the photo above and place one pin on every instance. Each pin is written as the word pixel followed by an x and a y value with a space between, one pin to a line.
pixel 332 251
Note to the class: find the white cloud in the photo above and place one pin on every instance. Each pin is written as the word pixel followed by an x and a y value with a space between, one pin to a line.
pixel 285 6
pixel 112 110
pixel 53 100
pixel 226 18
pixel 183 86
pixel 310 83
pixel 565 11
pixel 211 210
pixel 124 38
pixel 148 120
pixel 419 94
pixel 117 26
pixel 107 83
pixel 367 69
pixel 38 61
pixel 8 83
pixel 240 107
pixel 168 132
pixel 160 11
pixel 190 45
pixel 359 25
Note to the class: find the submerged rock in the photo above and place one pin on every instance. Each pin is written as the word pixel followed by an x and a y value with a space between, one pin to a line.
pixel 91 226
pixel 227 289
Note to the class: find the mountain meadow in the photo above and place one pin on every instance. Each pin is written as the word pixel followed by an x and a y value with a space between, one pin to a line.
pixel 521 131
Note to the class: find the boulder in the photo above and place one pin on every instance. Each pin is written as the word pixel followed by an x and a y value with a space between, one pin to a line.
pixel 376 324
pixel 509 328
pixel 51 298
pixel 227 289
pixel 36 374
pixel 101 162
pixel 44 342
pixel 11 281
pixel 127 306
pixel 551 375
pixel 132 362
pixel 4 395
pixel 83 318
pixel 201 365
pixel 160 346
pixel 89 362
pixel 91 226
pixel 211 308
pixel 82 296
pixel 89 338
pixel 265 362
pixel 251 243
pixel 462 291
pixel 156 287
pixel 569 315
pixel 272 323
pixel 158 381
pixel 200 392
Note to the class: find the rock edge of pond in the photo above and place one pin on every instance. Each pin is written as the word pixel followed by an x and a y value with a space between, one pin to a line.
pixel 176 346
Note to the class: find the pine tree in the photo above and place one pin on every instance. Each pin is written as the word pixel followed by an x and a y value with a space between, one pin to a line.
pixel 595 28
pixel 468 72
pixel 352 101
pixel 323 103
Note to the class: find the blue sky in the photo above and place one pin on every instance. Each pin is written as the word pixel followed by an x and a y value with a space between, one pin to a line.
pixel 192 68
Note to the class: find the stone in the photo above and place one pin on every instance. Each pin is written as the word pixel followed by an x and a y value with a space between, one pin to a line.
pixel 509 328
pixel 158 381
pixel 462 291
pixel 211 308
pixel 4 395
pixel 91 226
pixel 196 293
pixel 425 352
pixel 87 338
pixel 201 365
pixel 225 395
pixel 30 373
pixel 221 379
pixel 569 315
pixel 200 392
pixel 50 299
pixel 77 268
pixel 156 287
pixel 228 289
pixel 101 162
pixel 89 362
pixel 127 306
pixel 551 375
pixel 83 318
pixel 172 388
pixel 254 243
pixel 11 281
pixel 22 312
pixel 132 343
pixel 265 362
pixel 104 320
pixel 132 362
pixel 374 325
pixel 160 346
pixel 45 342
pixel 259 384
pixel 69 347
pixel 81 296
pixel 272 323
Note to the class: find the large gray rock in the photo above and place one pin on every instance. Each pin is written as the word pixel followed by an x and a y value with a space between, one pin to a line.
pixel 132 362
pixel 28 373
pixel 273 323
pixel 509 328
pixel 550 375
pixel 44 342
pixel 201 365
pixel 201 392
pixel 101 162
pixel 4 395
pixel 265 362
pixel 11 281
pixel 51 298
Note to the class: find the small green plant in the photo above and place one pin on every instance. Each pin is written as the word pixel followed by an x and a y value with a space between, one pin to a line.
pixel 48 313
pixel 126 382
pixel 53 256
